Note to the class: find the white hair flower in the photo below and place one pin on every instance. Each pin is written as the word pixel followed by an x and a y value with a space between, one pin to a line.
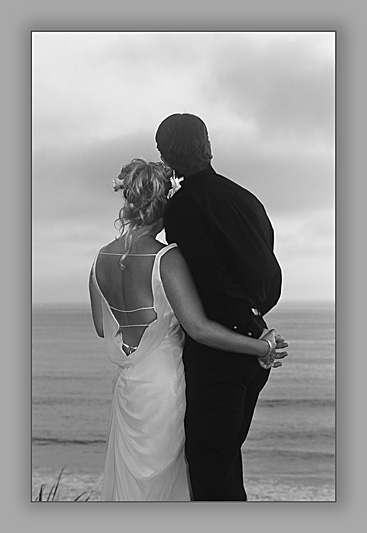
pixel 175 186
pixel 117 184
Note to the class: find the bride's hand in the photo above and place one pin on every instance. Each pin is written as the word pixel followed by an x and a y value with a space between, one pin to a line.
pixel 277 342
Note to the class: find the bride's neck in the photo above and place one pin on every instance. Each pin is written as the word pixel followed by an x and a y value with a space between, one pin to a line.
pixel 143 236
pixel 148 232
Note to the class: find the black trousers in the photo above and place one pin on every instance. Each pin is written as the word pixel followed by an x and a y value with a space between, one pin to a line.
pixel 221 394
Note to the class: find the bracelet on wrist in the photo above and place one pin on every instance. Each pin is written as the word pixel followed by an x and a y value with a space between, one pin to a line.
pixel 269 349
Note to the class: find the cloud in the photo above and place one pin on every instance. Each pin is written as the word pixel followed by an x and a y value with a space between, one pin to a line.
pixel 282 85
pixel 294 182
pixel 76 181
pixel 101 85
pixel 98 98
pixel 305 250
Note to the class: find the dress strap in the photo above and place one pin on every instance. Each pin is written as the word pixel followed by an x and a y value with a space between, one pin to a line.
pixel 131 310
pixel 128 255
pixel 166 249
pixel 156 273
pixel 134 326
pixel 129 349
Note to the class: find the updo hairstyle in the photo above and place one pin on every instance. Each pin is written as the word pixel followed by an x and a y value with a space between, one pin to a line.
pixel 144 188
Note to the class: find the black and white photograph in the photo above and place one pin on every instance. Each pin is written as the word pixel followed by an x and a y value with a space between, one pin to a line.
pixel 183 266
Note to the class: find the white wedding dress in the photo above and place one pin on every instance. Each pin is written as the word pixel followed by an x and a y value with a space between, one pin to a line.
pixel 145 448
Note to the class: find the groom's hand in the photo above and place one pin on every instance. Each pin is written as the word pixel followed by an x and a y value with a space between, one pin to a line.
pixel 278 342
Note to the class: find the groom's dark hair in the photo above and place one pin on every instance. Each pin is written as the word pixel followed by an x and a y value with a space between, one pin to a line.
pixel 182 140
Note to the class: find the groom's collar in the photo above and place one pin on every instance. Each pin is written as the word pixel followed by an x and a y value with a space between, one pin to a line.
pixel 203 173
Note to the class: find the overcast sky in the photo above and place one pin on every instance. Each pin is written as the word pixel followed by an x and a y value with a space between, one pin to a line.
pixel 98 98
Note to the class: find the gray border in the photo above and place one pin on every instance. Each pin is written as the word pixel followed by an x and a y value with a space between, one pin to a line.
pixel 21 18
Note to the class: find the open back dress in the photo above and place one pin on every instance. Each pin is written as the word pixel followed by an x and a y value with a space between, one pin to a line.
pixel 145 446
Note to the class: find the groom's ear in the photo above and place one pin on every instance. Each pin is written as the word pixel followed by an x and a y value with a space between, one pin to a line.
pixel 208 149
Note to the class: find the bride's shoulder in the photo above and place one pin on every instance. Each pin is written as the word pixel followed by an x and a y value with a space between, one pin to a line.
pixel 172 258
pixel 110 247
pixel 175 274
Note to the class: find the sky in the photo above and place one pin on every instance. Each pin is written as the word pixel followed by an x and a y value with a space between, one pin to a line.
pixel 267 98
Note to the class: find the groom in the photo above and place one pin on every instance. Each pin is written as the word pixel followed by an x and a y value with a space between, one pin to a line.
pixel 227 240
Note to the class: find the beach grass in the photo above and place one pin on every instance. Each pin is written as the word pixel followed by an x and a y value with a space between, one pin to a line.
pixel 52 495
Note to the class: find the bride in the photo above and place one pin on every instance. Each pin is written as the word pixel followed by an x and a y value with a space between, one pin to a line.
pixel 143 300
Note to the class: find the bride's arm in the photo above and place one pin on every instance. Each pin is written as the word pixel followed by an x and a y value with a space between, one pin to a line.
pixel 96 305
pixel 188 308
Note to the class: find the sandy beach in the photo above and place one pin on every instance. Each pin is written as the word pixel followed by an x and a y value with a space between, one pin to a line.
pixel 259 489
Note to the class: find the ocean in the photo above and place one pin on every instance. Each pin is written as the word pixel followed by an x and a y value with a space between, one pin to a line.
pixel 289 454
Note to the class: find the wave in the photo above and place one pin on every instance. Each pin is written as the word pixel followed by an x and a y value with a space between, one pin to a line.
pixel 288 454
pixel 306 402
pixel 56 440
pixel 273 402
pixel 78 399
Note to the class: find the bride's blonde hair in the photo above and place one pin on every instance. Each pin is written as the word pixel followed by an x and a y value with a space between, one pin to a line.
pixel 145 187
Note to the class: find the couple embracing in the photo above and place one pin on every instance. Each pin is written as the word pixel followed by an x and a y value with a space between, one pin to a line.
pixel 184 323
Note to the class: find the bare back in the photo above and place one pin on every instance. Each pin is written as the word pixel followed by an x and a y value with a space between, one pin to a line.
pixel 129 291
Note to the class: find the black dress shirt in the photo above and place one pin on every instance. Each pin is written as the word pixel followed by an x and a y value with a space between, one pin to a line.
pixel 227 239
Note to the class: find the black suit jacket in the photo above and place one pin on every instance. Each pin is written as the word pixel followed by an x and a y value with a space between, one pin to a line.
pixel 227 239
